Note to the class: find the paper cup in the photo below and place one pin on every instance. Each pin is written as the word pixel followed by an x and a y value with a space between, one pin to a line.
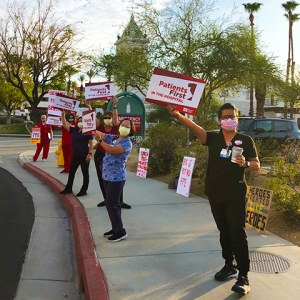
pixel 235 151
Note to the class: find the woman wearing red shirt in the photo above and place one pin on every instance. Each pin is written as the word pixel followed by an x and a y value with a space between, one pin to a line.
pixel 46 136
pixel 67 144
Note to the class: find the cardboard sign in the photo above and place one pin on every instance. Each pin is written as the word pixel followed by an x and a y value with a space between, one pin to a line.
pixel 172 88
pixel 64 102
pixel 185 178
pixel 137 120
pixel 54 121
pixel 99 91
pixel 258 208
pixel 143 163
pixel 51 109
pixel 35 137
pixel 88 122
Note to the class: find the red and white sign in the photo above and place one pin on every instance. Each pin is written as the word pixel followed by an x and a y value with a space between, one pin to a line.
pixel 167 87
pixel 64 102
pixel 185 178
pixel 99 91
pixel 137 120
pixel 143 163
pixel 54 121
pixel 51 99
pixel 88 122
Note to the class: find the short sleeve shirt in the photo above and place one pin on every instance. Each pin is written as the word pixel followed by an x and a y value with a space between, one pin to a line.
pixel 80 142
pixel 224 177
pixel 114 165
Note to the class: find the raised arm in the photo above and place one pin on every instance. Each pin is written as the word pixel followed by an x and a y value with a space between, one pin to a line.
pixel 65 124
pixel 188 123
pixel 115 118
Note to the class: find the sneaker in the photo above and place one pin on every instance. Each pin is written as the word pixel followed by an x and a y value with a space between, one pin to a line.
pixel 241 286
pixel 118 236
pixel 81 194
pixel 108 233
pixel 125 205
pixel 44 159
pixel 31 159
pixel 225 273
pixel 101 204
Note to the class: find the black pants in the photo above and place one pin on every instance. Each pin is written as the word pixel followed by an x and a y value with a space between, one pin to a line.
pixel 98 157
pixel 113 193
pixel 230 220
pixel 77 161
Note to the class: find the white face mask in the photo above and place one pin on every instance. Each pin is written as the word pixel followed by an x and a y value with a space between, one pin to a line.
pixel 79 124
pixel 124 131
pixel 107 121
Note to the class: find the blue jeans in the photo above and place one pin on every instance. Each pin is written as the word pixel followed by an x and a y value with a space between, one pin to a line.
pixel 113 191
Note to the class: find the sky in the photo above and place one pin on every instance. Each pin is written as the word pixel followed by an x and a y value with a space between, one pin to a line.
pixel 100 21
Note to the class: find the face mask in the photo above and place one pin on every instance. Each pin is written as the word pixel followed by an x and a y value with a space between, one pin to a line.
pixel 71 120
pixel 79 125
pixel 107 121
pixel 229 124
pixel 124 131
pixel 43 120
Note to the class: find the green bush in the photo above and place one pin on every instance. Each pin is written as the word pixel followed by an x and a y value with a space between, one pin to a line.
pixel 165 143
pixel 17 120
pixel 2 120
pixel 267 148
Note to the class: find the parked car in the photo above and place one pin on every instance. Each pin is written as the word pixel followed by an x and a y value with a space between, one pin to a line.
pixel 265 127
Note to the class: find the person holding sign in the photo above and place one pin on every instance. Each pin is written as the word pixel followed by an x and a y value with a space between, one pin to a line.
pixel 111 126
pixel 46 135
pixel 117 149
pixel 226 189
pixel 82 147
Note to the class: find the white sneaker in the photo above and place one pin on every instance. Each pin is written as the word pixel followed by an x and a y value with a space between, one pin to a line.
pixel 31 159
pixel 44 159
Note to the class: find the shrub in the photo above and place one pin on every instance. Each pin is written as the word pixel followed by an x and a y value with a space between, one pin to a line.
pixel 17 120
pixel 2 120
pixel 165 143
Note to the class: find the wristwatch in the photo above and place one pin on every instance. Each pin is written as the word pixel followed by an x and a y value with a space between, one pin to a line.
pixel 247 164
pixel 100 141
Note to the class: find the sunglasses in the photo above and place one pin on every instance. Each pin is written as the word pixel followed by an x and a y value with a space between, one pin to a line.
pixel 107 118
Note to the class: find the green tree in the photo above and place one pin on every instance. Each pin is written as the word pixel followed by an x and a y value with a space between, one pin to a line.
pixel 36 44
pixel 251 8
pixel 104 64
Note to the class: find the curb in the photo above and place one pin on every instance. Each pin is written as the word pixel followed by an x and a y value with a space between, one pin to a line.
pixel 91 276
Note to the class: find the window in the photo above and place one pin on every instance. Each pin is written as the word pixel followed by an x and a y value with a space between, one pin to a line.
pixel 280 126
pixel 263 126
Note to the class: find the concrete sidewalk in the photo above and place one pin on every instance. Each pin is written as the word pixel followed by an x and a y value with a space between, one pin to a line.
pixel 172 250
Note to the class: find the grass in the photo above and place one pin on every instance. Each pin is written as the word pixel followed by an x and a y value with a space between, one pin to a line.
pixel 13 129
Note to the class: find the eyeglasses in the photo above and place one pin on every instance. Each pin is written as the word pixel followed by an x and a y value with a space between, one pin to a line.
pixel 228 117
pixel 107 118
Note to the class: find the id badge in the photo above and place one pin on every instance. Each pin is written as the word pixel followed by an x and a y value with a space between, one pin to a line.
pixel 225 153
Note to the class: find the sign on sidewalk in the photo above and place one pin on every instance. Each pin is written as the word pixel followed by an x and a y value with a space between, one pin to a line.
pixel 185 178
pixel 143 163
pixel 167 87
pixel 258 208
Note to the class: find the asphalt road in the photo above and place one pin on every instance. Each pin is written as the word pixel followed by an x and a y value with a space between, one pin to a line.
pixel 16 220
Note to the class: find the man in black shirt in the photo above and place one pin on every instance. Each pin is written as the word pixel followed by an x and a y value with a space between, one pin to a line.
pixel 226 189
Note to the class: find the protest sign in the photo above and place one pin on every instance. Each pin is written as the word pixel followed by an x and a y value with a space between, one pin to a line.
pixel 64 102
pixel 88 122
pixel 258 207
pixel 185 178
pixel 143 163
pixel 35 136
pixel 54 120
pixel 51 99
pixel 99 91
pixel 172 88
pixel 137 120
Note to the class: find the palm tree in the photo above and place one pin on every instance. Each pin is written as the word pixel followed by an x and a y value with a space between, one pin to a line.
pixel 91 73
pixel 289 7
pixel 251 8
pixel 81 79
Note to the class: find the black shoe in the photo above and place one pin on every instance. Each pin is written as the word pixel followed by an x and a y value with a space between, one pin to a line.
pixel 124 205
pixel 118 236
pixel 81 194
pixel 108 233
pixel 101 204
pixel 66 192
pixel 225 273
pixel 242 285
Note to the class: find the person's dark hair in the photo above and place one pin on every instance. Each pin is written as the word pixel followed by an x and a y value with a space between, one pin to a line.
pixel 71 115
pixel 227 106
pixel 108 112
pixel 132 126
